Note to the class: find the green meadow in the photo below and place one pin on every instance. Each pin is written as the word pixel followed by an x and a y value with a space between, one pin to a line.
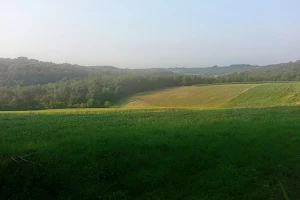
pixel 165 153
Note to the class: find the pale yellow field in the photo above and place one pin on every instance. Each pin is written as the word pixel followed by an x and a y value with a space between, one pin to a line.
pixel 212 96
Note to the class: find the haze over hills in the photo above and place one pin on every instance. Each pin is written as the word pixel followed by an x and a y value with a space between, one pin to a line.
pixel 214 70
pixel 19 69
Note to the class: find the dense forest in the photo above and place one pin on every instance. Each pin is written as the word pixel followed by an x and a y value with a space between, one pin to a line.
pixel 27 84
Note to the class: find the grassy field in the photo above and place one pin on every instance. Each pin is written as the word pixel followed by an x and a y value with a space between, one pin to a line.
pixel 221 96
pixel 183 154
pixel 268 94
pixel 208 96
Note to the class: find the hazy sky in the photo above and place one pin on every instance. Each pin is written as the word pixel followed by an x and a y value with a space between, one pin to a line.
pixel 151 33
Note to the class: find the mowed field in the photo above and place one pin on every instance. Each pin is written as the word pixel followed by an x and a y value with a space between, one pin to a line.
pixel 221 96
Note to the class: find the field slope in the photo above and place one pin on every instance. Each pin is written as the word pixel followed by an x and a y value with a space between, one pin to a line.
pixel 208 96
pixel 268 95
pixel 221 96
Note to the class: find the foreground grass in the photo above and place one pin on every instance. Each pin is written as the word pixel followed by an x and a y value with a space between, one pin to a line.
pixel 151 154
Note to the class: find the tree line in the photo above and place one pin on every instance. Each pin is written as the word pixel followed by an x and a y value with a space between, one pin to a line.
pixel 92 91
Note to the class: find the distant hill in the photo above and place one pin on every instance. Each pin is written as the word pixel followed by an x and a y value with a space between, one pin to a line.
pixel 24 71
pixel 276 72
pixel 104 67
pixel 214 70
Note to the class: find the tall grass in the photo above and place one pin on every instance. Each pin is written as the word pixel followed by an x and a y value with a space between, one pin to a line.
pixel 283 191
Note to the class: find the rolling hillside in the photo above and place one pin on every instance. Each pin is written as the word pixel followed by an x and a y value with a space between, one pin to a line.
pixel 221 96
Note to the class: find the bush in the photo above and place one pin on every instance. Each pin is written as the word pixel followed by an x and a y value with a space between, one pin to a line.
pixel 107 104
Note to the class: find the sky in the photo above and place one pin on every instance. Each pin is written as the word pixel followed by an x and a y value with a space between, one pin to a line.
pixel 151 33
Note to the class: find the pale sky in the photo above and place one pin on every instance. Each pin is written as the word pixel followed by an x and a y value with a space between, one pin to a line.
pixel 151 33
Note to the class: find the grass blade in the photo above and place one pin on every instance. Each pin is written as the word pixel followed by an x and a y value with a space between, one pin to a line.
pixel 283 191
